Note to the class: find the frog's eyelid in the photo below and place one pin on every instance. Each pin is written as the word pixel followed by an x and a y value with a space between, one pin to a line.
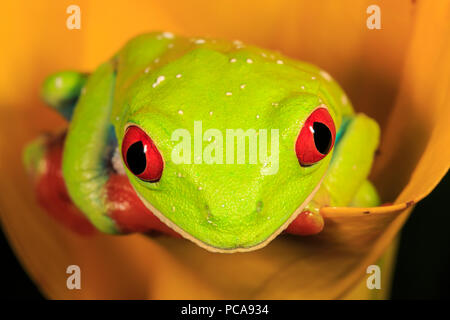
pixel 141 156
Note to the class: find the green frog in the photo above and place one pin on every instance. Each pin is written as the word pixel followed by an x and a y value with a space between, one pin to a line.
pixel 221 143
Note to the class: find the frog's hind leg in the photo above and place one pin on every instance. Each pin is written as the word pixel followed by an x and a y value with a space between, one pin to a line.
pixel 351 162
pixel 42 159
pixel 94 184
pixel 62 89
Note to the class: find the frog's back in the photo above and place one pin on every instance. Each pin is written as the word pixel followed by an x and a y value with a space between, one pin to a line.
pixel 158 57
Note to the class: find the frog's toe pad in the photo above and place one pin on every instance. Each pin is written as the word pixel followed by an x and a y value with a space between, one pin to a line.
pixel 307 223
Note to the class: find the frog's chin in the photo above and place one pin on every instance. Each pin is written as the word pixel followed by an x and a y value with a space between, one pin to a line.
pixel 211 248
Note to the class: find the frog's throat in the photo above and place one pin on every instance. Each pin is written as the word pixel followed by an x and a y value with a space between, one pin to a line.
pixel 210 248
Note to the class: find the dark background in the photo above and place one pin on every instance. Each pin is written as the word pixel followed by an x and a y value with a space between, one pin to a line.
pixel 422 270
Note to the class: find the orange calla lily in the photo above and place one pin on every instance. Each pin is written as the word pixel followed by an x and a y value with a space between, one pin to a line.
pixel 399 75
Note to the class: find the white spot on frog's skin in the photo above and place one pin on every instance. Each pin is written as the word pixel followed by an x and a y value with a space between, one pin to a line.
pixel 180 111
pixel 249 60
pixel 233 60
pixel 242 86
pixel 199 41
pixel 117 162
pixel 257 116
pixel 58 82
pixel 170 45
pixel 303 87
pixel 344 99
pixel 200 188
pixel 275 104
pixel 210 113
pixel 83 91
pixel 147 70
pixel 280 61
pixel 158 81
pixel 354 167
pixel 178 76
pixel 326 75
pixel 263 55
pixel 238 44
pixel 156 60
pixel 229 93
pixel 173 208
pixel 313 78
pixel 179 175
pixel 223 206
pixel 117 118
pixel 167 35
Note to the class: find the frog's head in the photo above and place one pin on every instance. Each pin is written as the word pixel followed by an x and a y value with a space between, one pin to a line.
pixel 178 133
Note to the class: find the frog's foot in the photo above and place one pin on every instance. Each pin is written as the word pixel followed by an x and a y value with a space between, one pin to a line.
pixel 61 91
pixel 307 223
pixel 366 196
pixel 310 221
pixel 43 159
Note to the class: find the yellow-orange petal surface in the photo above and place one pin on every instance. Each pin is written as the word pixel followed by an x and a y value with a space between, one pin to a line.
pixel 400 75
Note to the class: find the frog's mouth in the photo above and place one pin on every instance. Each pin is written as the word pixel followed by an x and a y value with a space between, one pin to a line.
pixel 301 222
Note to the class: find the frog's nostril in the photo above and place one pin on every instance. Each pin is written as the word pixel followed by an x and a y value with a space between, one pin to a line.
pixel 208 214
pixel 259 206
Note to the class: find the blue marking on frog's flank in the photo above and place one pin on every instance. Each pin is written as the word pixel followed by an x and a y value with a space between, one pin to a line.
pixel 111 145
pixel 345 122
pixel 67 110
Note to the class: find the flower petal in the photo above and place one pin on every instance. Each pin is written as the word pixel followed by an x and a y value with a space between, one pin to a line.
pixel 414 151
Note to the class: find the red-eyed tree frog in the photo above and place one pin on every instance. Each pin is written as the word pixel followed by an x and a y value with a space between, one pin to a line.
pixel 224 144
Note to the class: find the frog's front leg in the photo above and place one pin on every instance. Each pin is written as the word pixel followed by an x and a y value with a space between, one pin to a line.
pixel 345 183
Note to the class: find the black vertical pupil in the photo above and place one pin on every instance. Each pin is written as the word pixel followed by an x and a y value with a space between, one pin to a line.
pixel 322 137
pixel 136 159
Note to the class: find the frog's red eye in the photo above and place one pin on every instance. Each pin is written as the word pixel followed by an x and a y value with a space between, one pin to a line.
pixel 141 156
pixel 316 138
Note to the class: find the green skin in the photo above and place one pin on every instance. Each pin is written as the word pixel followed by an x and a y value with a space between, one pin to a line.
pixel 221 207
